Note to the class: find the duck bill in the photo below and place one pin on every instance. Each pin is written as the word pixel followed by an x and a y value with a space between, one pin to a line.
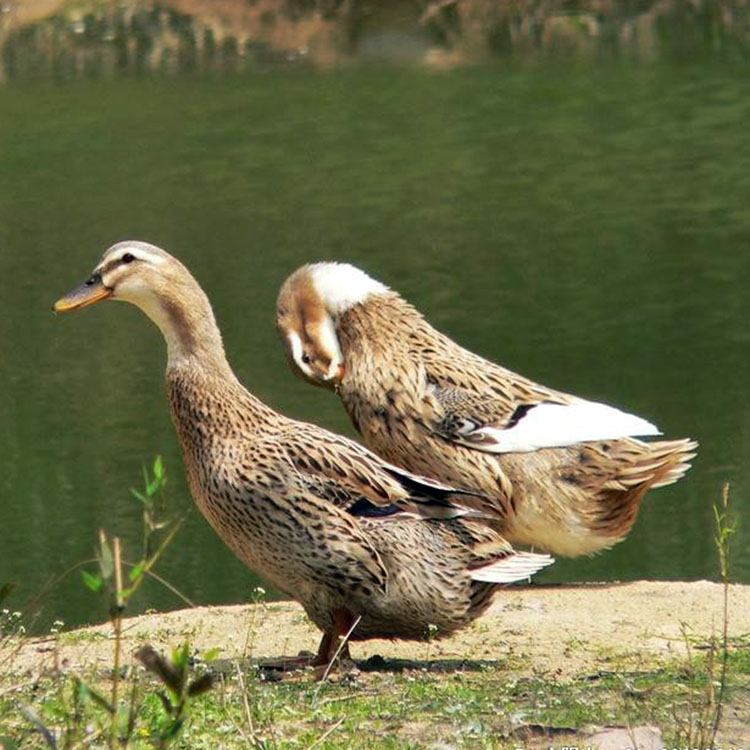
pixel 87 294
pixel 339 376
pixel 335 376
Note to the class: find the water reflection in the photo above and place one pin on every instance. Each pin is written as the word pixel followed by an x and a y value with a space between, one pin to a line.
pixel 126 41
pixel 197 35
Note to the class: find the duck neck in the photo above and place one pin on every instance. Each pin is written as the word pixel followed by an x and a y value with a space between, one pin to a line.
pixel 189 327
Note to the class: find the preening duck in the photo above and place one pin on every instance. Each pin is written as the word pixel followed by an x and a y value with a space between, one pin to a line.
pixel 357 541
pixel 562 474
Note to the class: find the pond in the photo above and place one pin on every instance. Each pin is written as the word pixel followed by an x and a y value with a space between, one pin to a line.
pixel 587 225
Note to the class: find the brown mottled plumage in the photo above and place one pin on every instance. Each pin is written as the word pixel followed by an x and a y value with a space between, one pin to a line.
pixel 314 513
pixel 562 474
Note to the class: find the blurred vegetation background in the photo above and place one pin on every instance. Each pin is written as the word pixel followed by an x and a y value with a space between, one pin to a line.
pixel 74 37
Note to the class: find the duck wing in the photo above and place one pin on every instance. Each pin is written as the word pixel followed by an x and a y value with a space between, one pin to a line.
pixel 355 479
pixel 516 420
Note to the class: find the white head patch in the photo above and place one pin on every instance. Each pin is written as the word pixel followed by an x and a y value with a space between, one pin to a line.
pixel 341 285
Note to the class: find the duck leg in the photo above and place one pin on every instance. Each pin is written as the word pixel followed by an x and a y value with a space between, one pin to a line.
pixel 329 645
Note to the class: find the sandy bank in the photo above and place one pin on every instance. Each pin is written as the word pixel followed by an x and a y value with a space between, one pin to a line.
pixel 560 630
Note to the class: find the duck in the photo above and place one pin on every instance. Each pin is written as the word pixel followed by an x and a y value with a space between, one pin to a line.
pixel 368 549
pixel 551 471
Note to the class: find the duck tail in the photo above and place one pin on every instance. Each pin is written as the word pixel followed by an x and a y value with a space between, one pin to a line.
pixel 517 566
pixel 673 458
pixel 638 467
pixel 649 465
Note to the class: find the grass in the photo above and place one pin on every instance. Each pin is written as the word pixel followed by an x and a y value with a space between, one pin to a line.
pixel 477 708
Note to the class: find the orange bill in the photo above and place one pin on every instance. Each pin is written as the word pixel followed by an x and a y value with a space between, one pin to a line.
pixel 87 294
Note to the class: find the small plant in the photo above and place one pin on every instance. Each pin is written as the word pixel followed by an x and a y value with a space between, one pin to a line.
pixel 109 579
pixel 431 635
pixel 258 598
pixel 725 528
pixel 699 726
pixel 117 719
pixel 11 626
pixel 154 522
pixel 179 690
pixel 154 505
pixel 10 622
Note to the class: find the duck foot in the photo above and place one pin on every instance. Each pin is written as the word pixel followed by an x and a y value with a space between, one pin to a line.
pixel 332 646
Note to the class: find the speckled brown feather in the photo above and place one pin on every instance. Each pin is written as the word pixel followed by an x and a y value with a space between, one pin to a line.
pixel 408 388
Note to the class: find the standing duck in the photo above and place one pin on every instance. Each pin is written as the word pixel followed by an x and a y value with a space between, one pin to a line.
pixel 563 474
pixel 359 543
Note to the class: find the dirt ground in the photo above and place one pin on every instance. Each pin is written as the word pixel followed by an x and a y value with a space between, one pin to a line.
pixel 555 630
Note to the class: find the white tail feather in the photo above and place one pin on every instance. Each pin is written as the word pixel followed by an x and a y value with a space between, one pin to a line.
pixel 517 567
pixel 560 425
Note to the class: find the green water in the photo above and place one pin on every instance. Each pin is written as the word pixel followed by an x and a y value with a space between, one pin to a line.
pixel 588 227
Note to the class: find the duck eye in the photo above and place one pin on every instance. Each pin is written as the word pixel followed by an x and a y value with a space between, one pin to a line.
pixel 128 258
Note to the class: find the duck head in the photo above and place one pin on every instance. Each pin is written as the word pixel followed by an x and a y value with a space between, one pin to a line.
pixel 307 310
pixel 157 283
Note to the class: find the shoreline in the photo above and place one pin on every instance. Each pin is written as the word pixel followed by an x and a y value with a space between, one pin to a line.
pixel 563 630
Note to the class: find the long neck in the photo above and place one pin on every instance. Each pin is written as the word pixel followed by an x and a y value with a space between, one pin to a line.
pixel 187 322
pixel 207 401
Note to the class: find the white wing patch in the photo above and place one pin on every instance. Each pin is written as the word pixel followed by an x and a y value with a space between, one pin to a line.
pixel 558 426
pixel 517 567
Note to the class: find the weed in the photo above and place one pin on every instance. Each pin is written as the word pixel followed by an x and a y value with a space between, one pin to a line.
pixel 79 705
pixel 697 725
pixel 258 600
pixel 12 631
pixel 179 690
